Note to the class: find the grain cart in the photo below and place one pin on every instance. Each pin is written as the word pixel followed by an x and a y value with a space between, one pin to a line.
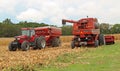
pixel 86 32
pixel 37 38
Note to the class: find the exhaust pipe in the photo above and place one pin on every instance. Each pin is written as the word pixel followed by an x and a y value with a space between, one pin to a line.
pixel 63 22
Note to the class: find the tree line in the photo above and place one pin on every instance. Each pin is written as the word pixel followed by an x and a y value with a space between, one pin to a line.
pixel 10 29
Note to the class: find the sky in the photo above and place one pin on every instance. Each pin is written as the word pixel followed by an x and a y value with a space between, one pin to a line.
pixel 53 11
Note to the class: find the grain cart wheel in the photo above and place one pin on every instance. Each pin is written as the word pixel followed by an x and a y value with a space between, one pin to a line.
pixel 56 42
pixel 96 43
pixel 12 48
pixel 73 44
pixel 25 46
pixel 41 42
pixel 101 39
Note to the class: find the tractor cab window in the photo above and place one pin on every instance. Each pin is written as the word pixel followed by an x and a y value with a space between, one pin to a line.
pixel 28 32
pixel 25 32
pixel 32 32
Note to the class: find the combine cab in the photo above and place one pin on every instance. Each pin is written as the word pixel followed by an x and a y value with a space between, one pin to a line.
pixel 86 32
pixel 37 38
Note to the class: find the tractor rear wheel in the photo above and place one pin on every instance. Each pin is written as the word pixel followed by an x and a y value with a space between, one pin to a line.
pixel 56 42
pixel 35 42
pixel 25 46
pixel 96 43
pixel 41 42
pixel 101 39
pixel 73 44
pixel 12 48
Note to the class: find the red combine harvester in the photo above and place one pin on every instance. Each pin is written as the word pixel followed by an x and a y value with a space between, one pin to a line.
pixel 86 32
pixel 37 38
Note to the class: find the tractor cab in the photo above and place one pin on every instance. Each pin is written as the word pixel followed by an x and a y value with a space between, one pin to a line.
pixel 26 34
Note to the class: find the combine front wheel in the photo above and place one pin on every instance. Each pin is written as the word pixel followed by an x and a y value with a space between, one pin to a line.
pixel 73 44
pixel 96 43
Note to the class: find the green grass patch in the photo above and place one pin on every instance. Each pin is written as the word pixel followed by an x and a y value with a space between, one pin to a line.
pixel 104 58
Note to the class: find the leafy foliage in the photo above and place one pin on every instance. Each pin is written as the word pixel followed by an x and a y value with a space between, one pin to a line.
pixel 115 29
pixel 9 29
pixel 106 28
pixel 67 30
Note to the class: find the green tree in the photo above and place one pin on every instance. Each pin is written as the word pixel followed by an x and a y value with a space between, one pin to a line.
pixel 31 24
pixel 67 30
pixel 105 28
pixel 9 30
pixel 7 21
pixel 115 29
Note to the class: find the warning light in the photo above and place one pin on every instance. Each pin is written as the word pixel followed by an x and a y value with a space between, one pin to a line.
pixel 81 32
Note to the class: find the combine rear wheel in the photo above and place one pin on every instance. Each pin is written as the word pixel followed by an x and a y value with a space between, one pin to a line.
pixel 25 46
pixel 101 39
pixel 56 42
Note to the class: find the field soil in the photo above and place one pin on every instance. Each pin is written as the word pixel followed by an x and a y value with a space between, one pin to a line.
pixel 13 58
pixel 44 56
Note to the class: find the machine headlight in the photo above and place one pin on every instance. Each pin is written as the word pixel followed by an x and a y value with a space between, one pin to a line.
pixel 79 39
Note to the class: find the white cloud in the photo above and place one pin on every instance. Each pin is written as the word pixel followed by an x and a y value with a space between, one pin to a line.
pixel 7 5
pixel 31 15
pixel 55 10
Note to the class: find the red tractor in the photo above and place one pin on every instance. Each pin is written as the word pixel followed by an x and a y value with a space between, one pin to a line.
pixel 86 32
pixel 37 38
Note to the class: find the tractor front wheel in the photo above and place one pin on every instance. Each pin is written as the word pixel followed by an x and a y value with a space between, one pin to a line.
pixel 12 48
pixel 25 46
pixel 56 42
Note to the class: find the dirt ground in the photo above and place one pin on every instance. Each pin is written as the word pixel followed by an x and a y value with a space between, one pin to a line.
pixel 10 59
